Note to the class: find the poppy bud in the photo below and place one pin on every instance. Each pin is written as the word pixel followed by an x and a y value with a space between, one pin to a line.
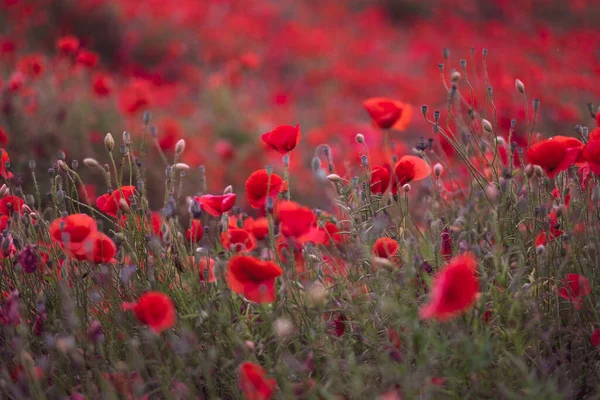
pixel 438 169
pixel 486 125
pixel 406 188
pixel 559 210
pixel 536 104
pixel 456 76
pixel 126 138
pixel 182 167
pixel 360 138
pixel 109 142
pixel 529 171
pixel 424 109
pixel 228 190
pixel 334 178
pixel 3 190
pixel 123 205
pixel 539 172
pixel 61 164
pixel 92 163
pixel 492 193
pixel 385 263
pixel 316 295
pixel 180 147
pixel 146 117
pixel 519 86
pixel 283 328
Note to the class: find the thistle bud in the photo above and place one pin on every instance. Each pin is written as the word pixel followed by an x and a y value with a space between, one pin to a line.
pixel 519 86
pixel 180 146
pixel 334 178
pixel 109 142
pixel 360 138
pixel 228 190
pixel 438 169
pixel 486 125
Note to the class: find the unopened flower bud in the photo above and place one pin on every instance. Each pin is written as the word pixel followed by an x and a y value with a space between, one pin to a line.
pixel 316 295
pixel 61 164
pixel 109 142
pixel 438 169
pixel 539 172
pixel 360 138
pixel 519 86
pixel 92 163
pixel 3 190
pixel 180 146
pixel 455 77
pixel 181 167
pixel 283 328
pixel 406 188
pixel 228 190
pixel 529 170
pixel 486 125
pixel 385 263
pixel 334 178
pixel 123 205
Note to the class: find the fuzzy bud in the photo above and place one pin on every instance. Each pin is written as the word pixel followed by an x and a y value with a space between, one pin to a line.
pixel 334 178
pixel 182 167
pixel 486 125
pixel 529 171
pixel 519 86
pixel 438 169
pixel 539 172
pixel 109 142
pixel 360 138
pixel 406 188
pixel 92 163
pixel 455 77
pixel 228 190
pixel 180 146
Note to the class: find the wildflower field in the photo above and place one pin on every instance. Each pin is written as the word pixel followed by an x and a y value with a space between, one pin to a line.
pixel 362 199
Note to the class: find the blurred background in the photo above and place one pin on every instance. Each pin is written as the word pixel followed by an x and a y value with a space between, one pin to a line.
pixel 220 73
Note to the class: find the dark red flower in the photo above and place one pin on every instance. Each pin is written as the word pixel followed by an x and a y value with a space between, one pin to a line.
pixel 259 227
pixel 154 309
pixel 102 84
pixel 4 139
pixel 574 288
pixel 388 113
pixel 385 247
pixel 283 138
pixel 97 247
pixel 67 45
pixel 216 205
pixel 254 382
pixel 4 165
pixel 380 179
pixel 260 185
pixel 195 232
pixel 87 58
pixel 553 156
pixel 595 338
pixel 454 290
pixel 237 240
pixel 109 203
pixel 295 219
pixel 253 278
pixel 411 168
pixel 591 153
pixel 72 230
pixel 11 204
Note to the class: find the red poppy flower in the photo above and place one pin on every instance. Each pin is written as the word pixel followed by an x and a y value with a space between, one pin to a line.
pixel 543 238
pixel 237 240
pixel 591 153
pixel 454 289
pixel 205 267
pixel 102 84
pixel 380 179
pixel 96 247
pixel 388 113
pixel 287 248
pixel 10 204
pixel 553 156
pixel 87 191
pixel 595 338
pixel 4 222
pixel 571 142
pixel 87 58
pixel 72 230
pixel 4 163
pixel 109 203
pixel 574 288
pixel 254 382
pixel 4 139
pixel 216 205
pixel 411 168
pixel 295 219
pixel 154 309
pixel 224 149
pixel 261 185
pixel 195 232
pixel 283 138
pixel 253 278
pixel 32 65
pixel 259 227
pixel 67 44
pixel 385 247
pixel 169 132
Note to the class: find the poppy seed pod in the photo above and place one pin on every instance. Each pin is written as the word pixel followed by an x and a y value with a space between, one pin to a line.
pixel 109 142
pixel 519 86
